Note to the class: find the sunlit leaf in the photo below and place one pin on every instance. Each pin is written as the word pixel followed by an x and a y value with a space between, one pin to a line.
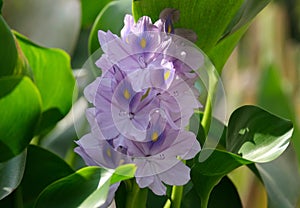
pixel 73 189
pixel 8 50
pixel 20 110
pixel 225 47
pixel 90 9
pixel 257 135
pixel 53 77
pixel 110 18
pixel 42 168
pixel 121 173
pixel 273 95
pixel 88 187
pixel 11 173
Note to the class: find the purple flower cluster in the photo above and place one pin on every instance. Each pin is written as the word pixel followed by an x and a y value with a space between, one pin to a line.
pixel 143 102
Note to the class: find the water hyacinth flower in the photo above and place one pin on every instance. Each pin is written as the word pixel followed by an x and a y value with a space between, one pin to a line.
pixel 143 102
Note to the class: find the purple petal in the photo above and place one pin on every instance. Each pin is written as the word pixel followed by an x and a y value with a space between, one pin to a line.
pixel 158 187
pixel 178 175
pixel 144 181
pixel 100 152
pixel 128 24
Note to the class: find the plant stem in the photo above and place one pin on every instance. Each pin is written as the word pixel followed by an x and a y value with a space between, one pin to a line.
pixel 176 196
pixel 136 197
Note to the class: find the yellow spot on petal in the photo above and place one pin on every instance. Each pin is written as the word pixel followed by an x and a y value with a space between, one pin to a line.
pixel 143 43
pixel 169 28
pixel 154 136
pixel 167 74
pixel 126 94
pixel 127 40
pixel 108 152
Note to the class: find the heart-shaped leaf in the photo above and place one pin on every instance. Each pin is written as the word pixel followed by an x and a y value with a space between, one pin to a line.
pixel 54 79
pixel 11 173
pixel 88 187
pixel 257 135
pixel 20 110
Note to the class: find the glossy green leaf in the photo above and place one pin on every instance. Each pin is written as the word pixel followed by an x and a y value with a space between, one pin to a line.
pixel 88 187
pixel 207 174
pixel 53 77
pixel 209 19
pixel 1 3
pixel 282 180
pixel 42 168
pixel 90 9
pixel 11 173
pixel 8 50
pixel 223 193
pixel 273 95
pixel 110 18
pixel 20 110
pixel 119 174
pixel 257 135
pixel 122 173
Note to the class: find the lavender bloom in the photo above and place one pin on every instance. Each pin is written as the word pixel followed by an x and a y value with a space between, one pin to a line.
pixel 143 102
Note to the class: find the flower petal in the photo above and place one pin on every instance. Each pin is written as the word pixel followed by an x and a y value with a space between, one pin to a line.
pixel 178 175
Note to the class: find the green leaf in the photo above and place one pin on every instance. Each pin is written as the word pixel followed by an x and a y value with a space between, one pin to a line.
pixel 20 108
pixel 207 174
pixel 8 49
pixel 282 180
pixel 73 189
pixel 209 19
pixel 110 18
pixel 225 47
pixel 257 135
pixel 274 96
pixel 11 173
pixel 88 187
pixel 90 9
pixel 53 77
pixel 42 168
pixel 122 173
